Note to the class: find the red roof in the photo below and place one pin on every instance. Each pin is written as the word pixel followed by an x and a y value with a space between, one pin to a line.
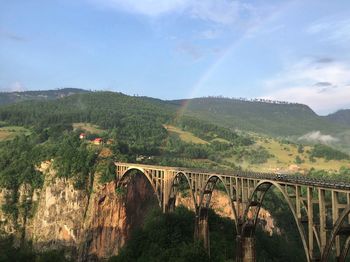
pixel 98 139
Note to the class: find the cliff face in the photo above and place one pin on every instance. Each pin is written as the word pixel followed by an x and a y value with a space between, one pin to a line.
pixel 89 225
pixel 59 216
pixel 113 215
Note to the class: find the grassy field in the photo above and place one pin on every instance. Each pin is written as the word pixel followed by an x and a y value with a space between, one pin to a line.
pixel 185 136
pixel 9 132
pixel 87 127
pixel 284 156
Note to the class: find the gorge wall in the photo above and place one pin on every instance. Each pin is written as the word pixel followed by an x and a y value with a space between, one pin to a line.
pixel 89 225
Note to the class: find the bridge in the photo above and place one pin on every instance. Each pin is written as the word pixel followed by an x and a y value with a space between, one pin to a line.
pixel 321 208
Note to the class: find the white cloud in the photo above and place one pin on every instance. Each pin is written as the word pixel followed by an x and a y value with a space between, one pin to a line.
pixel 305 82
pixel 217 11
pixel 13 87
pixel 144 7
pixel 331 29
pixel 318 137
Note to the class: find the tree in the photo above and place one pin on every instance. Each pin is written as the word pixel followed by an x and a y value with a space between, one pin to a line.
pixel 298 160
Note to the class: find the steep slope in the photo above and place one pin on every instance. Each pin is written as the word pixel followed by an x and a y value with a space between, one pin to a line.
pixel 277 119
pixel 89 225
pixel 14 97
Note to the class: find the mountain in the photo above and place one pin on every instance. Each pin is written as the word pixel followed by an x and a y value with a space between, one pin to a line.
pixel 272 118
pixel 267 117
pixel 341 116
pixel 14 97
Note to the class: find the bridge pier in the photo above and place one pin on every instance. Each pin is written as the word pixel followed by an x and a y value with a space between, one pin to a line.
pixel 170 206
pixel 245 249
pixel 202 229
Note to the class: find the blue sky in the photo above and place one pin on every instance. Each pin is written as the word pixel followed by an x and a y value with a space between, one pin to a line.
pixel 296 51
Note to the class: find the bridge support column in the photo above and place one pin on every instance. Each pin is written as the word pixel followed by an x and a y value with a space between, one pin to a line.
pixel 245 249
pixel 202 229
pixel 168 205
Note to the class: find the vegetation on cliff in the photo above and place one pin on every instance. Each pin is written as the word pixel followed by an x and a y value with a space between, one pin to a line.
pixel 25 253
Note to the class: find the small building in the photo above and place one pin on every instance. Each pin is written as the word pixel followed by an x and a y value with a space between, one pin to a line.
pixel 82 136
pixel 97 141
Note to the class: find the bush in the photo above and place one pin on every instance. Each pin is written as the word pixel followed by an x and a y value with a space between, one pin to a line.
pixel 328 153
pixel 298 160
pixel 258 156
pixel 107 170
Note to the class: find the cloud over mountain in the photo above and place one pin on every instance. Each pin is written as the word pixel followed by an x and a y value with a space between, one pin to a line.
pixel 318 137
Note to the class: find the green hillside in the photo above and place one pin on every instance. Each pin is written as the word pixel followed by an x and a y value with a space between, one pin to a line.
pixel 277 119
pixel 204 136
pixel 271 118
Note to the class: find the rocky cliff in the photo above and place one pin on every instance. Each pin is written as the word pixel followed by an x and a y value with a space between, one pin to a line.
pixel 89 225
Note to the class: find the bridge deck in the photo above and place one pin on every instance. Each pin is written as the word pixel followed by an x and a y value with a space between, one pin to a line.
pixel 287 178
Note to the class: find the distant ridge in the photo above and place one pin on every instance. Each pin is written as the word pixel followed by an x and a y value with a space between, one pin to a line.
pixel 254 100
pixel 341 117
pixel 15 97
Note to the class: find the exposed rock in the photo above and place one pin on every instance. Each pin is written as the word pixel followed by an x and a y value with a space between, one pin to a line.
pixel 92 224
pixel 112 216
pixel 7 224
pixel 59 218
pixel 221 203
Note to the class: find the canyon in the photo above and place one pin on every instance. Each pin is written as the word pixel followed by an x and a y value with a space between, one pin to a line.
pixel 93 224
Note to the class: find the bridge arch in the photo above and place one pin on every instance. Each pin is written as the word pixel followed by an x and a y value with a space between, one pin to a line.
pixel 173 191
pixel 129 172
pixel 207 191
pixel 201 226
pixel 256 200
pixel 337 227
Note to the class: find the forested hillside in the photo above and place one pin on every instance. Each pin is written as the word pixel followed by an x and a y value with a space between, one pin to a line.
pixel 272 118
pixel 260 116
pixel 152 127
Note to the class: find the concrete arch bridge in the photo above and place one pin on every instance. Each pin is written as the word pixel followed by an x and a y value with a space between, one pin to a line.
pixel 321 208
